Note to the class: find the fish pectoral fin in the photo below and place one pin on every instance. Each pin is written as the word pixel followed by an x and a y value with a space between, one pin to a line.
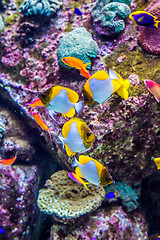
pixel 71 113
pixel 68 151
pixel 116 85
pixel 78 172
pixel 122 92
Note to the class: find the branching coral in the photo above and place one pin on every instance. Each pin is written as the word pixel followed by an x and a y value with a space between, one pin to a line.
pixel 66 199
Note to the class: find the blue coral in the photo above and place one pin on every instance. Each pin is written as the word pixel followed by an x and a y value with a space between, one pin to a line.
pixel 40 7
pixel 109 16
pixel 77 43
pixel 127 195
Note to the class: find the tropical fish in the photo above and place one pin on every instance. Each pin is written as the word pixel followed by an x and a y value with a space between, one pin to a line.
pixel 111 195
pixel 77 11
pixel 143 18
pixel 62 100
pixel 77 136
pixel 41 123
pixel 78 64
pixel 35 103
pixel 8 161
pixel 153 88
pixel 77 179
pixel 1 230
pixel 93 171
pixel 157 162
pixel 100 86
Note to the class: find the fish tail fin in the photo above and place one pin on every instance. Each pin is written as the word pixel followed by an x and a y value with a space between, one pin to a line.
pixel 79 106
pixel 156 23
pixel 75 163
pixel 85 65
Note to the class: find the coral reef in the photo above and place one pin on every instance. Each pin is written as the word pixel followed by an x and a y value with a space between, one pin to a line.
pixel 77 43
pixel 149 38
pixel 106 224
pixel 109 16
pixel 67 200
pixel 127 195
pixel 40 7
pixel 18 200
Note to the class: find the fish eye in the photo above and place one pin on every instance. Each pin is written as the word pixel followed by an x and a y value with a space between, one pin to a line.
pixel 88 134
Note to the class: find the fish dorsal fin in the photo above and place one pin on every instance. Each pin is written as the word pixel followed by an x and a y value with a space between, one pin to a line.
pixel 122 92
pixel 55 91
pixel 68 151
pixel 78 172
pixel 84 159
pixel 116 85
pixel 72 95
pixel 71 113
pixel 100 75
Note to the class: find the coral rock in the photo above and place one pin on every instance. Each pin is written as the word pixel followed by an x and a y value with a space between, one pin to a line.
pixel 125 193
pixel 77 43
pixel 109 17
pixel 105 224
pixel 149 38
pixel 68 200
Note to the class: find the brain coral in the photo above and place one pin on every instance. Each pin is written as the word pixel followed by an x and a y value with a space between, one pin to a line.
pixel 66 199
pixel 77 43
pixel 108 16
pixel 40 7
pixel 149 38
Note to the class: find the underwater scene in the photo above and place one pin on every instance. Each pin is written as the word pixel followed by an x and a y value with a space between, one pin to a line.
pixel 80 120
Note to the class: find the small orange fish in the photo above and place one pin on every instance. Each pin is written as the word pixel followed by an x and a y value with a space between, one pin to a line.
pixel 78 64
pixel 35 103
pixel 9 161
pixel 41 123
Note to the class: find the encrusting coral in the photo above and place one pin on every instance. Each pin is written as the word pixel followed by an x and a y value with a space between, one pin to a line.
pixel 149 38
pixel 40 7
pixel 109 16
pixel 77 43
pixel 125 193
pixel 68 200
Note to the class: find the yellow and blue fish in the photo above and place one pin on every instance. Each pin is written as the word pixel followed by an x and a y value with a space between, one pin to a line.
pixel 77 11
pixel 62 100
pixel 93 171
pixel 77 179
pixel 77 137
pixel 111 195
pixel 143 18
pixel 100 86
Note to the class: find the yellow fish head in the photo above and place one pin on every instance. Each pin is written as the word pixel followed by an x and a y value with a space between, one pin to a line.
pixel 87 135
pixel 105 177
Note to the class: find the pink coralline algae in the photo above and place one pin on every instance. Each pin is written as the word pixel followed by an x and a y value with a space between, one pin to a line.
pixel 106 224
pixel 149 38
pixel 18 200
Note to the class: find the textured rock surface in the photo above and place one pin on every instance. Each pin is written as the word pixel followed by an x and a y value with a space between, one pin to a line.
pixel 124 192
pixel 66 199
pixel 77 43
pixel 149 38
pixel 18 190
pixel 106 224
pixel 109 16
